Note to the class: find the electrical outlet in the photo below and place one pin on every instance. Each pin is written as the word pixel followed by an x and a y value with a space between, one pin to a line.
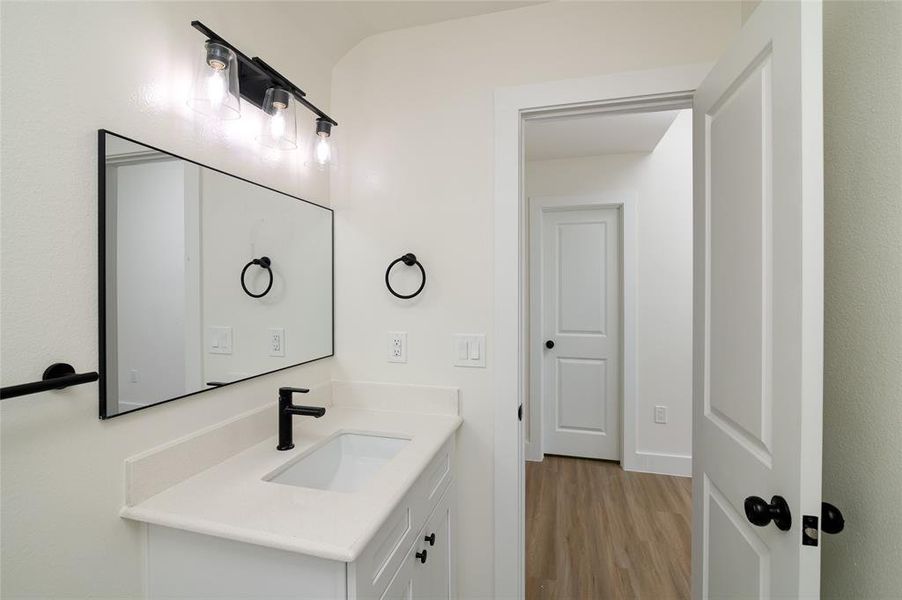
pixel 660 414
pixel 397 347
pixel 277 341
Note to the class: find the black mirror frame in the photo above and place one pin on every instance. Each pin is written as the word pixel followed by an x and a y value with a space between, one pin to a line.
pixel 101 271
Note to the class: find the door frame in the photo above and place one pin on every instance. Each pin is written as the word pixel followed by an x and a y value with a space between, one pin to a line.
pixel 625 201
pixel 659 88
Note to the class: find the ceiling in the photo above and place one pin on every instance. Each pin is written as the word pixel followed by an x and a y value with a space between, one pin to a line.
pixel 334 27
pixel 595 135
pixel 377 16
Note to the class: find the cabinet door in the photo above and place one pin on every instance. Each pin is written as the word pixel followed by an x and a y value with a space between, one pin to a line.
pixel 432 579
pixel 401 586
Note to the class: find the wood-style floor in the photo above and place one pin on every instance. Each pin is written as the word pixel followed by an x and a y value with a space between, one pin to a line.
pixel 595 531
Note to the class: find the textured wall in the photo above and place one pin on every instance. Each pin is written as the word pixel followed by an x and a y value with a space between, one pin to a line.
pixel 863 297
pixel 417 175
pixel 68 69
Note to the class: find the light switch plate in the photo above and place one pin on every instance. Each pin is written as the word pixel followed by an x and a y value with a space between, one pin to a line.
pixel 397 346
pixel 276 339
pixel 219 340
pixel 469 350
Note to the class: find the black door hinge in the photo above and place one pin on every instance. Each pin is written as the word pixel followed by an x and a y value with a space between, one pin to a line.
pixel 520 413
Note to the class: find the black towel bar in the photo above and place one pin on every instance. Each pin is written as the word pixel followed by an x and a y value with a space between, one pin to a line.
pixel 56 377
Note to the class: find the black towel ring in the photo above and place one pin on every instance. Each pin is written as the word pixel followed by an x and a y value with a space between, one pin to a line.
pixel 264 262
pixel 410 260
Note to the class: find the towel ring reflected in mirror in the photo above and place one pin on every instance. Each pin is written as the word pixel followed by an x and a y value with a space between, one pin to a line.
pixel 263 262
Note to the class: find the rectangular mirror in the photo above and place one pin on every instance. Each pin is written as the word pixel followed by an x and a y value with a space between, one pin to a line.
pixel 186 299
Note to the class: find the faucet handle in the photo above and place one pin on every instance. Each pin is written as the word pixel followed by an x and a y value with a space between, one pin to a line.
pixel 295 390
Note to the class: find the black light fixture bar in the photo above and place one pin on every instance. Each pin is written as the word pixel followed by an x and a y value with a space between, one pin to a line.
pixel 255 76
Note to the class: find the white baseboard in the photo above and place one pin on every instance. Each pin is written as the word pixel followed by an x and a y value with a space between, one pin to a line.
pixel 533 452
pixel 660 463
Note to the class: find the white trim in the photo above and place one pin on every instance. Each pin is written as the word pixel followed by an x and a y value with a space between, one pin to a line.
pixel 625 200
pixel 511 105
pixel 661 463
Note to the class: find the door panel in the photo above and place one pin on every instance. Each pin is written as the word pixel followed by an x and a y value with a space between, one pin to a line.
pixel 574 375
pixel 739 135
pixel 758 294
pixel 580 307
pixel 739 562
pixel 582 285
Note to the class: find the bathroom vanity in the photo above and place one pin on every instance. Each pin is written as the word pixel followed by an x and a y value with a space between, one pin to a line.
pixel 362 507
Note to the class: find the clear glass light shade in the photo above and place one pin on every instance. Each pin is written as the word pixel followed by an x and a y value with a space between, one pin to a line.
pixel 279 127
pixel 215 91
pixel 323 152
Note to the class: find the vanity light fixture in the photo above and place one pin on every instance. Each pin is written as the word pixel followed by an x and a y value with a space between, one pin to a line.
pixel 262 86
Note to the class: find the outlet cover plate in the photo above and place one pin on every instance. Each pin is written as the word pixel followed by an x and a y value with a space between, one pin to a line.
pixel 276 339
pixel 397 346
pixel 660 414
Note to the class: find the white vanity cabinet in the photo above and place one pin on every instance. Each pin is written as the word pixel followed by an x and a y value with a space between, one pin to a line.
pixel 426 571
pixel 185 564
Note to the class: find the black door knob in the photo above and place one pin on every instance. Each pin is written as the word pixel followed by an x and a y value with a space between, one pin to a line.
pixel 431 539
pixel 831 518
pixel 549 344
pixel 421 556
pixel 760 513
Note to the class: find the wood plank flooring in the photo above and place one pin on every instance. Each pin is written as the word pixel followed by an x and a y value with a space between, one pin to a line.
pixel 595 531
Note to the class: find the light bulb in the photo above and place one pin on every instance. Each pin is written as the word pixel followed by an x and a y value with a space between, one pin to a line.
pixel 216 88
pixel 277 124
pixel 278 129
pixel 322 153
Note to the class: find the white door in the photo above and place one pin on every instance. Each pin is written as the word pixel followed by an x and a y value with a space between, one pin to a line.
pixel 579 334
pixel 758 281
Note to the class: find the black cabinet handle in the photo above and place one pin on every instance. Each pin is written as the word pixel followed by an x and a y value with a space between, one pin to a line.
pixel 760 513
pixel 431 539
pixel 832 520
pixel 421 556
pixel 549 344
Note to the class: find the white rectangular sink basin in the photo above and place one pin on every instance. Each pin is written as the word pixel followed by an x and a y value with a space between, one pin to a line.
pixel 343 464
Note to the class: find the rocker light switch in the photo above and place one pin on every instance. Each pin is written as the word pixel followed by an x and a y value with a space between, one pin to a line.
pixel 469 350
pixel 463 348
pixel 219 340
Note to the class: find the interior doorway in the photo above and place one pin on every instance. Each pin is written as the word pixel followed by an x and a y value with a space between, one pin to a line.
pixel 609 198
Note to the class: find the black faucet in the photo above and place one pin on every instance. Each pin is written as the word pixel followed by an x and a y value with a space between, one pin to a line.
pixel 287 410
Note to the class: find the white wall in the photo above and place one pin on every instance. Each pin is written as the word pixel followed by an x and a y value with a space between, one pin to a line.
pixel 661 182
pixel 417 175
pixel 863 297
pixel 69 69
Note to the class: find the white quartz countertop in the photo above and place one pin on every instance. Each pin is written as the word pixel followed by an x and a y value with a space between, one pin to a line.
pixel 231 499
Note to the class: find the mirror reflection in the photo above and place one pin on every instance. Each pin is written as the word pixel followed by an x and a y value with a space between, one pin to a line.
pixel 207 279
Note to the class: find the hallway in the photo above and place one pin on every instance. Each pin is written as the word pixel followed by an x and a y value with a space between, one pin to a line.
pixel 597 532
